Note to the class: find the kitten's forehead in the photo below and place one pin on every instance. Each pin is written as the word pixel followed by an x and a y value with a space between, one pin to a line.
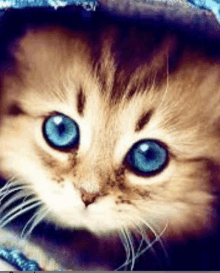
pixel 112 75
pixel 112 58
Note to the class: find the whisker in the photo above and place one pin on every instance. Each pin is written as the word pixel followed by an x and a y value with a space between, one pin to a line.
pixel 157 238
pixel 21 206
pixel 19 213
pixel 40 216
pixel 5 187
pixel 147 225
pixel 13 184
pixel 141 232
pixel 128 250
pixel 12 200
pixel 132 260
pixel 13 180
pixel 141 243
pixel 132 249
pixel 126 245
pixel 144 238
pixel 28 222
pixel 18 188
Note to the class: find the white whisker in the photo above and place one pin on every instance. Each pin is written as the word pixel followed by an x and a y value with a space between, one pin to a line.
pixel 36 218
pixel 15 197
pixel 6 187
pixel 9 184
pixel 132 249
pixel 141 243
pixel 39 217
pixel 157 238
pixel 144 238
pixel 4 223
pixel 18 213
pixel 28 222
pixel 126 245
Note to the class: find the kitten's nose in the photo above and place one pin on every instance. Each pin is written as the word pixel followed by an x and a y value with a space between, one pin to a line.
pixel 88 198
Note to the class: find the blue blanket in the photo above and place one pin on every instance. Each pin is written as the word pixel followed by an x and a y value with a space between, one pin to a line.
pixel 46 3
pixel 212 5
pixel 18 260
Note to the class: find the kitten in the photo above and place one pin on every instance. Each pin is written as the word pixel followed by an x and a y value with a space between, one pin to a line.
pixel 108 132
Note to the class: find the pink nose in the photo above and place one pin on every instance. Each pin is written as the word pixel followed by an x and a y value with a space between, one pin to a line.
pixel 88 198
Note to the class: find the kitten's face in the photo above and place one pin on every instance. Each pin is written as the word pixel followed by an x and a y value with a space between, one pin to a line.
pixel 90 177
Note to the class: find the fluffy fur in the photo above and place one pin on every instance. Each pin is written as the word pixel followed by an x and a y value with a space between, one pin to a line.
pixel 120 84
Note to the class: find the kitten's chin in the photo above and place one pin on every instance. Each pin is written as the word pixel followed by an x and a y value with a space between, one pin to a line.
pixel 98 228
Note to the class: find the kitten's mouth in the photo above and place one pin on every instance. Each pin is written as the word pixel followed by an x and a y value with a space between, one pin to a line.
pixel 89 218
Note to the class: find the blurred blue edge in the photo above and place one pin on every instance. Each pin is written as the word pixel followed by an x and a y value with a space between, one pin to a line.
pixel 212 5
pixel 5 4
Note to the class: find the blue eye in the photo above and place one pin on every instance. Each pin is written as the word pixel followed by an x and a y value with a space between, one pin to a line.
pixel 61 132
pixel 147 157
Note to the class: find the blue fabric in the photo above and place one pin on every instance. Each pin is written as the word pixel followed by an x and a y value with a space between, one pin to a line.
pixel 18 260
pixel 213 5
pixel 88 4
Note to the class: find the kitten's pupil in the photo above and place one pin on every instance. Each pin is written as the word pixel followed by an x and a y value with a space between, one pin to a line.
pixel 146 157
pixel 61 131
pixel 149 154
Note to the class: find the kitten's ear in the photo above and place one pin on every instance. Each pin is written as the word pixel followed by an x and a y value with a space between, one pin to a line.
pixel 10 83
